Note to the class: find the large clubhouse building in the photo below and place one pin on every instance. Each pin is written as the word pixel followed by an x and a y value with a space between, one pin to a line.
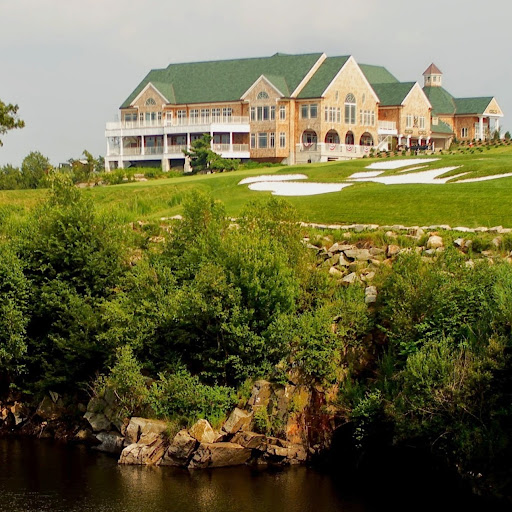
pixel 290 109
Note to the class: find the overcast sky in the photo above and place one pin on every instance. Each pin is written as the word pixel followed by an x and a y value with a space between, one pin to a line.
pixel 69 64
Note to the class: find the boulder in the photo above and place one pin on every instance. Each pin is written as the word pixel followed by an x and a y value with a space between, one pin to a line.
pixel 139 428
pixel 296 454
pixel 351 278
pixel 146 452
pixel 85 436
pixel 370 294
pixel 203 432
pixel 110 442
pixel 358 254
pixel 342 261
pixel 179 453
pixel 216 455
pixel 434 242
pixel 392 250
pixel 250 440
pixel 20 413
pixel 238 420
pixel 98 421
pixel 333 271
pixel 49 410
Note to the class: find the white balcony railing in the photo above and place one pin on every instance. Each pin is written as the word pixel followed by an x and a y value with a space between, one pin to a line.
pixel 131 151
pixel 387 127
pixel 228 148
pixel 181 121
pixel 176 149
pixel 154 150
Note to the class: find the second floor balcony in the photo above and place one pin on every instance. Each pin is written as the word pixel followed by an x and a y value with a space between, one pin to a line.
pixel 387 128
pixel 175 151
pixel 188 124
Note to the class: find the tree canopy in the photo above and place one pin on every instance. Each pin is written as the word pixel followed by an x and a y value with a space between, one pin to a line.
pixel 202 157
pixel 9 119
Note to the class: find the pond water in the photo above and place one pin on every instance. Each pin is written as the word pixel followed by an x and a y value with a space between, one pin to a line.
pixel 45 476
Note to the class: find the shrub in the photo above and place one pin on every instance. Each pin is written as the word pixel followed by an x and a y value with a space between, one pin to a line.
pixel 179 394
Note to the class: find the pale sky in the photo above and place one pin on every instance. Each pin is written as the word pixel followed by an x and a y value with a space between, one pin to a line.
pixel 69 64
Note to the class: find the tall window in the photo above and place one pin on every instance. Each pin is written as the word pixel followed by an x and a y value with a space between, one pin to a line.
pixel 408 121
pixel 181 115
pixel 282 139
pixel 215 115
pixel 226 113
pixel 205 115
pixel 272 140
pixel 464 133
pixel 309 111
pixel 422 122
pixel 350 109
pixel 253 140
pixel 272 112
pixel 282 112
pixel 262 140
pixel 194 116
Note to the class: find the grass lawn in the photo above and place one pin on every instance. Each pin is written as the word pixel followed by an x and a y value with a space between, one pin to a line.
pixel 483 203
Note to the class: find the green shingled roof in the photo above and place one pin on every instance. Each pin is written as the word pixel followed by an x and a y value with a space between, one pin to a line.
pixel 442 101
pixel 472 105
pixel 324 75
pixel 441 127
pixel 225 80
pixel 392 93
pixel 377 74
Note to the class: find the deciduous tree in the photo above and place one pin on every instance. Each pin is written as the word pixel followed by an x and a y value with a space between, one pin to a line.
pixel 9 119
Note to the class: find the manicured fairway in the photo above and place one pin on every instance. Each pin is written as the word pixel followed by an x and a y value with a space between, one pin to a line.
pixel 481 203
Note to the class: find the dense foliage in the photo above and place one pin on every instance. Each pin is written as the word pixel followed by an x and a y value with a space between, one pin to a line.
pixel 175 324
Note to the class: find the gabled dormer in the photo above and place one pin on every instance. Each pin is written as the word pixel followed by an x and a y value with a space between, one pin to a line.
pixel 433 76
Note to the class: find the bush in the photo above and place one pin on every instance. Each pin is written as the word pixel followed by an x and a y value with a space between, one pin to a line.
pixel 181 395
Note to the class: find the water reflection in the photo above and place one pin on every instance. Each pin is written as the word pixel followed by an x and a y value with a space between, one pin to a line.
pixel 40 476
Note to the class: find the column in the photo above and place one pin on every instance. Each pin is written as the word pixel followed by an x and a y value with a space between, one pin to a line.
pixel 399 140
pixel 408 141
pixel 481 127
pixel 419 140
pixel 142 149
pixel 231 142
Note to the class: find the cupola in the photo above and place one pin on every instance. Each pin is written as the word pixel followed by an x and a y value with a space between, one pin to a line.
pixel 433 76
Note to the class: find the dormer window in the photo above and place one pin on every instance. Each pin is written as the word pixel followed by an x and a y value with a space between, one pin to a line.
pixel 150 102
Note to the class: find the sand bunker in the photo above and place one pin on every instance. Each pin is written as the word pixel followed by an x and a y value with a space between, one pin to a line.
pixel 273 177
pixel 297 189
pixel 486 178
pixel 283 185
pixel 364 174
pixel 396 164
pixel 423 178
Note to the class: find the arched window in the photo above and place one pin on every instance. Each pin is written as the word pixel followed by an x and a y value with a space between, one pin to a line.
pixel 350 109
pixel 150 102
pixel 262 95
